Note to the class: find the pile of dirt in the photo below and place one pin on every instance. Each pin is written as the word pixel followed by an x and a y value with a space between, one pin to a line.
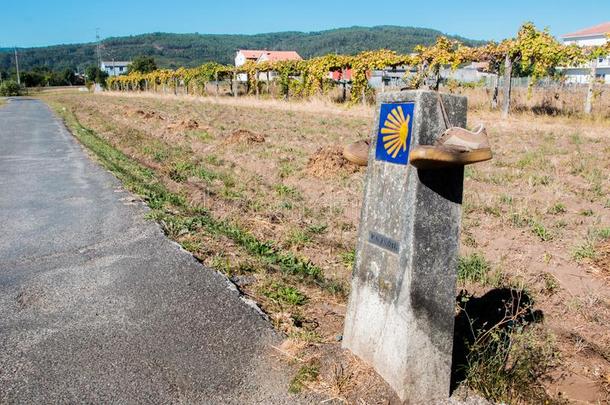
pixel 184 125
pixel 328 161
pixel 244 136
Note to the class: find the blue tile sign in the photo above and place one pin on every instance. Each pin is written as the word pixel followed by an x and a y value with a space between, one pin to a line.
pixel 394 134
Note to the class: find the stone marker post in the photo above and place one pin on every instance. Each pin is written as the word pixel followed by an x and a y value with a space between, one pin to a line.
pixel 400 316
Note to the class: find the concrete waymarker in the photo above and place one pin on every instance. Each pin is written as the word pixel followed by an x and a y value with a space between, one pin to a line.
pixel 400 316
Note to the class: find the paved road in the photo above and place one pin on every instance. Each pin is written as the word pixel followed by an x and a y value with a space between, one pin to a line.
pixel 96 305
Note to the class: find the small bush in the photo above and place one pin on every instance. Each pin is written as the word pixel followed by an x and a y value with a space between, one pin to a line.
pixel 10 88
pixel 506 365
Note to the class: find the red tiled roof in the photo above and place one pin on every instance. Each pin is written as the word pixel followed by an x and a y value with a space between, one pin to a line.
pixel 251 53
pixel 599 29
pixel 282 55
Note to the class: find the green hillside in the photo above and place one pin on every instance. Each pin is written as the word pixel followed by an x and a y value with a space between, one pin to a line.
pixel 174 50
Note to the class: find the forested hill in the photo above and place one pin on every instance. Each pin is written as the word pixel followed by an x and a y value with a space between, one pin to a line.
pixel 174 50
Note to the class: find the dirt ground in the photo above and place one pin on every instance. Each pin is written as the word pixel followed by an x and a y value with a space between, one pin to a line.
pixel 539 213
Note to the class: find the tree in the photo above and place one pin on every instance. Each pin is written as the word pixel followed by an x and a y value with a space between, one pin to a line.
pixel 444 52
pixel 535 51
pixel 142 64
pixel 68 76
pixel 96 75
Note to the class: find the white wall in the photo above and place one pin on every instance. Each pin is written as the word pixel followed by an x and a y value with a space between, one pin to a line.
pixel 581 75
pixel 586 41
pixel 240 59
pixel 114 70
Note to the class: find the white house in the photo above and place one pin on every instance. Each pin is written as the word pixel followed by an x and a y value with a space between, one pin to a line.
pixel 592 36
pixel 258 56
pixel 114 68
pixel 245 55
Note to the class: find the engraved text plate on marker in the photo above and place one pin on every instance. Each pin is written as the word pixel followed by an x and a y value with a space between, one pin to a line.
pixel 384 242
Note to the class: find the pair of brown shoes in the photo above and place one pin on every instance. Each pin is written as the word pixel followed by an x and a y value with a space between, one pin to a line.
pixel 456 147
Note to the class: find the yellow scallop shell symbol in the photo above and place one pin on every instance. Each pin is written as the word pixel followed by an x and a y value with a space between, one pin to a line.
pixel 395 131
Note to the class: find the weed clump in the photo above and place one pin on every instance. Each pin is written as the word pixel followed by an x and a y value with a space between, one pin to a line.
pixel 306 373
pixel 284 294
pixel 473 268
pixel 500 350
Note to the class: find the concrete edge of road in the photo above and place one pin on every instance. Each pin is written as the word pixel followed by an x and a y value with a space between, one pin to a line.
pixel 230 285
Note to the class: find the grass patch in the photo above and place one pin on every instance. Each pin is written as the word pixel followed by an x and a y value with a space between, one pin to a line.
pixel 576 139
pixel 519 220
pixel 284 294
pixel 214 160
pixel 348 258
pixel 506 199
pixel 604 233
pixel 283 190
pixel 473 268
pixel 286 168
pixel 557 208
pixel 205 174
pixel 540 231
pixel 531 160
pixel 317 229
pixel 298 238
pixel 585 251
pixel 306 373
pixel 180 171
pixel 586 213
pixel 203 136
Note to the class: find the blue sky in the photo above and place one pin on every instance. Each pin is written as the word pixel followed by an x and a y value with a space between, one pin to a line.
pixel 38 22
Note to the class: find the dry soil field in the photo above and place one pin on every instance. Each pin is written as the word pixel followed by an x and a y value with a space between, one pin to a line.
pixel 259 191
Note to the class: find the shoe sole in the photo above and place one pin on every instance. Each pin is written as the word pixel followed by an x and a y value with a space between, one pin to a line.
pixel 430 157
pixel 354 158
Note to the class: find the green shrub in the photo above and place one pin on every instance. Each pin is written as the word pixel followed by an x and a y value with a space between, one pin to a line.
pixel 10 88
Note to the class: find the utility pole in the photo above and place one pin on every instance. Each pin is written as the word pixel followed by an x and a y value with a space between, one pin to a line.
pixel 99 50
pixel 17 66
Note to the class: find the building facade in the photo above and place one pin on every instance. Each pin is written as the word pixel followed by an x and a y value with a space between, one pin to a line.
pixel 244 55
pixel 592 36
pixel 114 68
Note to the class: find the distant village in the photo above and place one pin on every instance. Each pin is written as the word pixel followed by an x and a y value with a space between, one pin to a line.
pixel 475 72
